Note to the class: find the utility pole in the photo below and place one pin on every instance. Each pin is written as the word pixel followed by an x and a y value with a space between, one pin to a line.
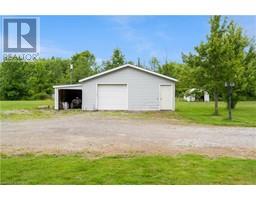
pixel 71 73
pixel 166 57
pixel 138 62
pixel 229 86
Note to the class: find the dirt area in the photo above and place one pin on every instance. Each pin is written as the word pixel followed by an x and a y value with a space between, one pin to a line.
pixel 106 135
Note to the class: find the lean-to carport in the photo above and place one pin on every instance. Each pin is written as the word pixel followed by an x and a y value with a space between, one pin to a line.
pixel 65 94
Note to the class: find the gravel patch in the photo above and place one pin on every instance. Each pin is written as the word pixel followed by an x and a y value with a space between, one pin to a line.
pixel 106 135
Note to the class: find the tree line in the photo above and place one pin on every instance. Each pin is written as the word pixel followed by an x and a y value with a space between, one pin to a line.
pixel 226 55
pixel 34 80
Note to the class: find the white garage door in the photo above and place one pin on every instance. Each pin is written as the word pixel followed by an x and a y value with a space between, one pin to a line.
pixel 112 97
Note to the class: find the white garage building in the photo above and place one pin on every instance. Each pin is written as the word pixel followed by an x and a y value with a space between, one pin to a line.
pixel 127 87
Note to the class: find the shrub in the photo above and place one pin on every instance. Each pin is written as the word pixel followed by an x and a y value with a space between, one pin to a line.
pixel 41 96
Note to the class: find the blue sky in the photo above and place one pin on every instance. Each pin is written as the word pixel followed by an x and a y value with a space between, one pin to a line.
pixel 137 36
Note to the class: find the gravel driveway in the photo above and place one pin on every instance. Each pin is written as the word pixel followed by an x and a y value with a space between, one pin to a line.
pixel 106 135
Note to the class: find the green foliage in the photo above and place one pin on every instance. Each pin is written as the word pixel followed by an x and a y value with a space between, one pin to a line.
pixel 41 96
pixel 224 57
pixel 154 64
pixel 38 80
pixel 116 60
pixel 28 80
pixel 130 62
pixel 76 169
pixel 83 65
pixel 227 55
pixel 13 80
pixel 58 70
pixel 248 78
pixel 197 93
pixel 182 72
pixel 34 80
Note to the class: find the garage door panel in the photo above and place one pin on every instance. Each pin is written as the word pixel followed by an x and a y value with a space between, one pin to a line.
pixel 112 97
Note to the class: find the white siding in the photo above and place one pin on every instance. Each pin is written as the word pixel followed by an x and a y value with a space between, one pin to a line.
pixel 56 99
pixel 143 89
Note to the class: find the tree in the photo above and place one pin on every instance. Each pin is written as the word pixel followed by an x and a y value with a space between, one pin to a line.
pixel 130 62
pixel 116 60
pixel 249 75
pixel 58 69
pixel 182 72
pixel 13 80
pixel 154 64
pixel 38 81
pixel 238 60
pixel 83 65
pixel 208 59
pixel 219 59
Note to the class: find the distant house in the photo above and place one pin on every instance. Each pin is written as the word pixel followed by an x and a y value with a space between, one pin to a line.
pixel 127 87
pixel 195 94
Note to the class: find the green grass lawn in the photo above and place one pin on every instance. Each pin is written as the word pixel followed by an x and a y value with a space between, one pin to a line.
pixel 22 110
pixel 24 105
pixel 186 112
pixel 243 115
pixel 27 110
pixel 71 169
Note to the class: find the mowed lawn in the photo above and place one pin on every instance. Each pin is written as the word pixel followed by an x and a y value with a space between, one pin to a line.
pixel 71 169
pixel 137 169
pixel 243 115
pixel 24 105
pixel 195 112
pixel 30 110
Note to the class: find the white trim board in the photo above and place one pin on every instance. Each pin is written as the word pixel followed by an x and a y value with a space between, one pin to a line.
pixel 77 86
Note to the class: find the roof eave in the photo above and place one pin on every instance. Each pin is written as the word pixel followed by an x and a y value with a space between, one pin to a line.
pixel 66 86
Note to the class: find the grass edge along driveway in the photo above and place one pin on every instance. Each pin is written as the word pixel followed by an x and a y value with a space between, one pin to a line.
pixel 186 112
pixel 155 169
